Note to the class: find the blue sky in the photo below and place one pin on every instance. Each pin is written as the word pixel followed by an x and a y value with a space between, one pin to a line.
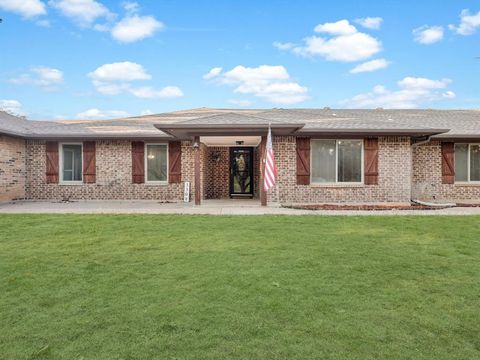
pixel 99 59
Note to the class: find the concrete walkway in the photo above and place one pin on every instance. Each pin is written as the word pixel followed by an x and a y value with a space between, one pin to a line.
pixel 209 207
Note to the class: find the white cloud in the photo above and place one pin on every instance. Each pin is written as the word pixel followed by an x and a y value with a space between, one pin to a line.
pixel 130 6
pixel 134 27
pixel 283 46
pixel 126 70
pixel 449 95
pixel 428 34
pixel 147 92
pixel 13 107
pixel 271 83
pixel 252 76
pixel 96 114
pixel 240 102
pixel 370 66
pixel 110 88
pixel 116 78
pixel 342 27
pixel 410 82
pixel 84 12
pixel 25 8
pixel 468 23
pixel 147 112
pixel 345 43
pixel 373 23
pixel 412 93
pixel 346 48
pixel 212 73
pixel 48 79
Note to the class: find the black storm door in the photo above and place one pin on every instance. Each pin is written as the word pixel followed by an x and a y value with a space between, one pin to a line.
pixel 241 171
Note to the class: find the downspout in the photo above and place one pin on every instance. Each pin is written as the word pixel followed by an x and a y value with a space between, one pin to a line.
pixel 429 138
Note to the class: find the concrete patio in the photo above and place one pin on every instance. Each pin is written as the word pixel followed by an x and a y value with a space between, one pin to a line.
pixel 208 207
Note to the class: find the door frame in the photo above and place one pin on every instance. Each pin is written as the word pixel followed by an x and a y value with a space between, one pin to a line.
pixel 251 167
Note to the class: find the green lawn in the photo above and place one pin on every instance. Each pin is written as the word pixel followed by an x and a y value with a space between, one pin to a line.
pixel 198 287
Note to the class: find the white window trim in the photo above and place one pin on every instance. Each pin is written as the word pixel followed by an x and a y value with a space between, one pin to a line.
pixel 471 182
pixel 60 151
pixel 155 182
pixel 337 183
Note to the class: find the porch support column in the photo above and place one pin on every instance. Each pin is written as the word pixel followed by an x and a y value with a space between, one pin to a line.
pixel 196 148
pixel 263 194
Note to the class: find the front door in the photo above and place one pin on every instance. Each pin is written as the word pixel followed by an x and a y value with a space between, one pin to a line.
pixel 241 171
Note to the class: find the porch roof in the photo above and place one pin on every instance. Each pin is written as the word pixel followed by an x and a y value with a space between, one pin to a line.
pixel 227 125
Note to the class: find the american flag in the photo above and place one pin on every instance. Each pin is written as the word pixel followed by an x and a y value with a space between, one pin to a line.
pixel 270 166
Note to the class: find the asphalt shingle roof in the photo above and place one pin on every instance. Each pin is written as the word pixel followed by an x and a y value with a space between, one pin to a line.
pixel 454 123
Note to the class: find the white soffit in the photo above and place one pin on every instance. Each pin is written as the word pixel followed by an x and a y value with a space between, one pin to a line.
pixel 231 140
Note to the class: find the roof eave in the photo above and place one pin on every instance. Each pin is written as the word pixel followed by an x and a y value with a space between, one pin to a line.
pixel 97 137
pixel 13 133
pixel 371 132
pixel 186 131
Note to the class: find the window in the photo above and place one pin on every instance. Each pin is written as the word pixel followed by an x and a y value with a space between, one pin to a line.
pixel 467 162
pixel 156 162
pixel 337 161
pixel 71 161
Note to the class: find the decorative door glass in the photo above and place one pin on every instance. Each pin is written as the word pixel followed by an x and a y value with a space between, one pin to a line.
pixel 241 171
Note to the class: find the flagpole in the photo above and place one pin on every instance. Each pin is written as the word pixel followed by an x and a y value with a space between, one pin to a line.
pixel 277 183
pixel 270 168
pixel 263 161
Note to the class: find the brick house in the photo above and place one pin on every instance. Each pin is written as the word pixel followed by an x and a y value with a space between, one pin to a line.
pixel 323 156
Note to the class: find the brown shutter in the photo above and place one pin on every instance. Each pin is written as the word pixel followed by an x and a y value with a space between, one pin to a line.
pixel 448 162
pixel 138 162
pixel 370 151
pixel 174 162
pixel 89 162
pixel 303 161
pixel 52 162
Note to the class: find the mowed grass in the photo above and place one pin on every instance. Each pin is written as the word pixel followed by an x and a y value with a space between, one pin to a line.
pixel 199 287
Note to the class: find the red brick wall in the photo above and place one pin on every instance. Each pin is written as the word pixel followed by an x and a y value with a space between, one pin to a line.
pixel 401 176
pixel 395 168
pixel 12 168
pixel 217 176
pixel 427 177
pixel 114 176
